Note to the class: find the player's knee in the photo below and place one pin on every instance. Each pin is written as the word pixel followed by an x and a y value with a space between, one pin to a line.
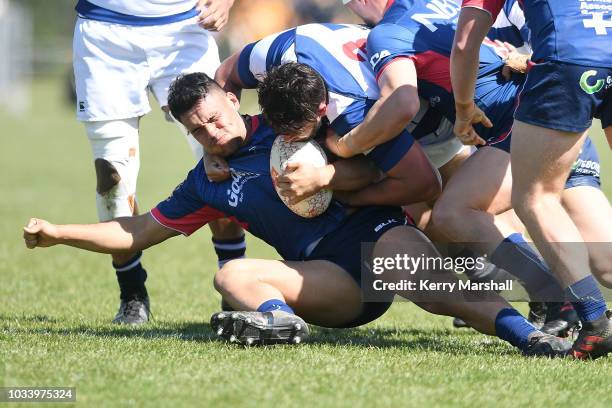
pixel 445 215
pixel 115 150
pixel 107 176
pixel 525 203
pixel 231 276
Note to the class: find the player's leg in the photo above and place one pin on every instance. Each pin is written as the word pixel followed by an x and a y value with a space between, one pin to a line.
pixel 116 159
pixel 110 86
pixel 310 288
pixel 469 212
pixel 591 212
pixel 487 312
pixel 541 161
pixel 270 299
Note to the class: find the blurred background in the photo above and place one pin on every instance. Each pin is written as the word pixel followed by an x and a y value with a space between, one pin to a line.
pixel 36 37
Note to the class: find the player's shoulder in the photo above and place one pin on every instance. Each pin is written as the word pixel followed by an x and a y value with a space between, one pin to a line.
pixel 390 35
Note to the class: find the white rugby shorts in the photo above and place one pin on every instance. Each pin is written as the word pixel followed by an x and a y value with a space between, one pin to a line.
pixel 115 64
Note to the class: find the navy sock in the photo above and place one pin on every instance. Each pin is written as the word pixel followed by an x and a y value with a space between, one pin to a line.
pixel 489 272
pixel 516 256
pixel 587 299
pixel 228 249
pixel 274 304
pixel 514 328
pixel 131 277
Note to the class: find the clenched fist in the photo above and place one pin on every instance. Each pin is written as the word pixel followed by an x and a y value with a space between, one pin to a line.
pixel 40 233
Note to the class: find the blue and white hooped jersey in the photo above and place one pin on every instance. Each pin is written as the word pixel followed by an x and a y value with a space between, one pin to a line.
pixel 423 31
pixel 337 53
pixel 510 26
pixel 572 31
pixel 137 12
pixel 248 198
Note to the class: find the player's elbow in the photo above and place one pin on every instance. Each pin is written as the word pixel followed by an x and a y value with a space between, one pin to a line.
pixel 407 104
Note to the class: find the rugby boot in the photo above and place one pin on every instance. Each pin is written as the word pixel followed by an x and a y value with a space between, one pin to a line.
pixel 561 319
pixel 134 311
pixel 595 338
pixel 459 323
pixel 537 314
pixel 254 328
pixel 545 345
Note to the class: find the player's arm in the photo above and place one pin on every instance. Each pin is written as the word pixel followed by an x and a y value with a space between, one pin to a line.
pixel 125 234
pixel 412 179
pixel 608 132
pixel 227 75
pixel 301 180
pixel 472 27
pixel 397 105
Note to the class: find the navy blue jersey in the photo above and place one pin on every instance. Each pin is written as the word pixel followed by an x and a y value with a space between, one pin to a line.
pixel 337 53
pixel 248 198
pixel 423 31
pixel 570 31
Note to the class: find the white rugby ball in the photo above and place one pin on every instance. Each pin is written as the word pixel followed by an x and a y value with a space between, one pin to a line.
pixel 284 152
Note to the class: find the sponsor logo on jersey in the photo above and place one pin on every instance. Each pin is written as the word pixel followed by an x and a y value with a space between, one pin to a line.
pixel 591 88
pixel 443 10
pixel 375 59
pixel 384 224
pixel 239 179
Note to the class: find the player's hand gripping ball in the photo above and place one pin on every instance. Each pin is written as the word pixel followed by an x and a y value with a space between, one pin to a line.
pixel 310 152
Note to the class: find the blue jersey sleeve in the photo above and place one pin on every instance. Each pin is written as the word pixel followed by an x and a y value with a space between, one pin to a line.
pixel 386 43
pixel 185 210
pixel 388 154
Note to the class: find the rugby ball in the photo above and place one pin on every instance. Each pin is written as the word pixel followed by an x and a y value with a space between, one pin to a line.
pixel 284 152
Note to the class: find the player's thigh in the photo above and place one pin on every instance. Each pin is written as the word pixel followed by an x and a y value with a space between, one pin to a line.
pixel 110 77
pixel 483 182
pixel 319 291
pixel 541 158
pixel 196 51
pixel 450 168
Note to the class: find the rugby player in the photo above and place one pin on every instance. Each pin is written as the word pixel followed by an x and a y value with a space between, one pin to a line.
pixel 582 196
pixel 392 49
pixel 346 91
pixel 316 280
pixel 121 49
pixel 565 88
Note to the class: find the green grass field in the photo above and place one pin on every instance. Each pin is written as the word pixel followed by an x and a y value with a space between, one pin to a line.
pixel 56 305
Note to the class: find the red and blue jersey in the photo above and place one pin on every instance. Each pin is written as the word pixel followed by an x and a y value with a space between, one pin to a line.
pixel 337 52
pixel 423 31
pixel 570 31
pixel 249 198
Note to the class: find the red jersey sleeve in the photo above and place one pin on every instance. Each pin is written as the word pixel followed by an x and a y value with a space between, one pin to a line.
pixel 493 7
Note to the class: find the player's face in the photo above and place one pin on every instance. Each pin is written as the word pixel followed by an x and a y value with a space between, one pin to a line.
pixel 307 132
pixel 216 124
pixel 309 129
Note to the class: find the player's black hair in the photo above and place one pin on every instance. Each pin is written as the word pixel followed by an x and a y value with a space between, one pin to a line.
pixel 186 90
pixel 290 96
